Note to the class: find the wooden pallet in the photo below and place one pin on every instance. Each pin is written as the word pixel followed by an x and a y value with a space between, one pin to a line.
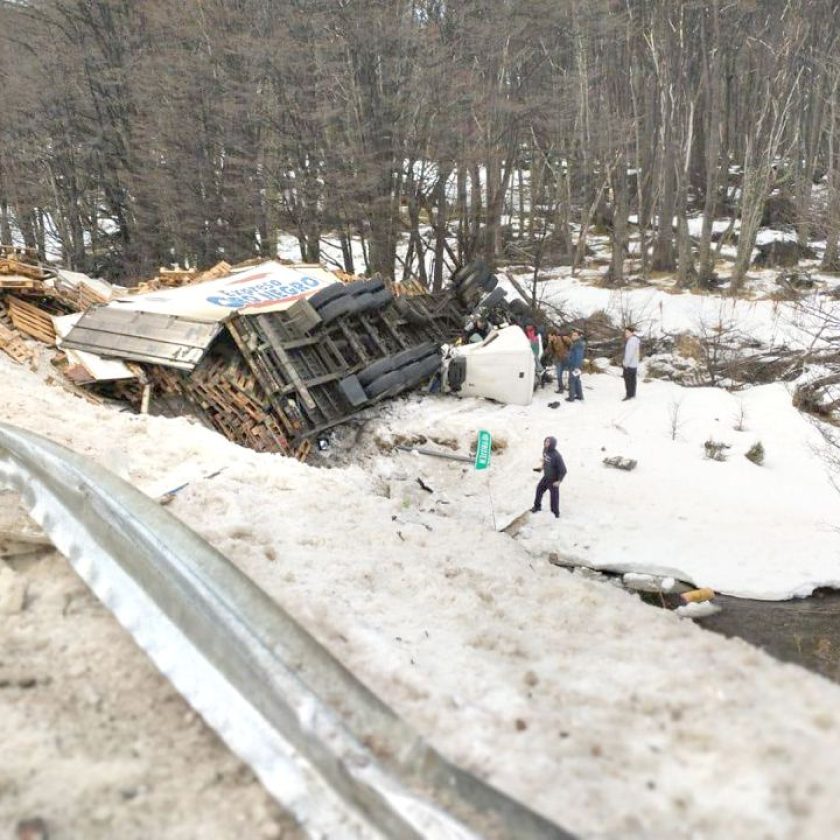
pixel 13 265
pixel 16 281
pixel 232 401
pixel 221 269
pixel 13 346
pixel 31 320
pixel 407 288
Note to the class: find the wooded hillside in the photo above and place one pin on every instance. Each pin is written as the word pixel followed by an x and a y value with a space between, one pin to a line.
pixel 136 133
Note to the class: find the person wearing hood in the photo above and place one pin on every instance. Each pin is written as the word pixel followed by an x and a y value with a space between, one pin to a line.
pixel 554 471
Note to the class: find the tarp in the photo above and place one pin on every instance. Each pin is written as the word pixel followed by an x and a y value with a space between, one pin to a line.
pixel 268 287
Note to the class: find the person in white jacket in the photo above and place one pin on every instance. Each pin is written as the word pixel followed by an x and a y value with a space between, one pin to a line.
pixel 631 362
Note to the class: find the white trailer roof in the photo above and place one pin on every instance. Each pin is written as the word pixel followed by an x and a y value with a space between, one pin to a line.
pixel 268 287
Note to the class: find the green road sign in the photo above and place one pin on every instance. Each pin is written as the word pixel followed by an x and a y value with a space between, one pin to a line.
pixel 482 450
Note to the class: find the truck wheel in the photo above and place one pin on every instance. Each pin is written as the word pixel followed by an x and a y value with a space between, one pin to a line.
pixel 385 385
pixel 375 370
pixel 414 354
pixel 359 287
pixel 475 277
pixel 336 308
pixel 324 296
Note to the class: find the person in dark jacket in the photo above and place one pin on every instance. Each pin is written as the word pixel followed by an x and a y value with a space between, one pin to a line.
pixel 574 362
pixel 554 471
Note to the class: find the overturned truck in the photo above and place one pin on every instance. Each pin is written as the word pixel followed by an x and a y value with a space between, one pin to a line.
pixel 273 355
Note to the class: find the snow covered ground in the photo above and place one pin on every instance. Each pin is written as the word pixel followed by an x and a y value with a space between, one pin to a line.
pixel 609 716
pixel 656 311
pixel 768 532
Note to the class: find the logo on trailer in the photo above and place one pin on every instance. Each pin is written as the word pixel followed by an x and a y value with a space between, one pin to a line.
pixel 271 290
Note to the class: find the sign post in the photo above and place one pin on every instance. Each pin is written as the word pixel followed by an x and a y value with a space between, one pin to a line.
pixel 482 450
pixel 483 447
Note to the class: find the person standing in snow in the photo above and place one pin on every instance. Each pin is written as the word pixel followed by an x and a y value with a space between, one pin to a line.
pixel 574 362
pixel 554 471
pixel 534 339
pixel 630 363
pixel 558 346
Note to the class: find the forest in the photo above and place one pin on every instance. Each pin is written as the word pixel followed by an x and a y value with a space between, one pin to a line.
pixel 140 133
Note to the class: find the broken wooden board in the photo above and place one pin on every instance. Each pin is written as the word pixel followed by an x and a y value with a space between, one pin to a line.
pixel 31 320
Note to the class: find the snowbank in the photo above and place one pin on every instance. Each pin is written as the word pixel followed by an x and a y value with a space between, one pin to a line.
pixel 607 715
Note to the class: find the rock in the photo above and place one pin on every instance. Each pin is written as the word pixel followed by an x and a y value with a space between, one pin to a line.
pixel 12 591
pixel 620 463
pixel 32 829
pixel 797 280
pixel 779 209
pixel 641 582
pixel 697 610
pixel 783 253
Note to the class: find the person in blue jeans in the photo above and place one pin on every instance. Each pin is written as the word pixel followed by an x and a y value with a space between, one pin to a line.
pixel 554 471
pixel 574 362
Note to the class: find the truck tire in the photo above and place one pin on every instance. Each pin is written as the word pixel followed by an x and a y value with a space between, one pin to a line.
pixel 360 287
pixel 325 296
pixel 373 371
pixel 493 299
pixel 336 308
pixel 362 302
pixel 469 275
pixel 414 354
pixel 383 297
pixel 423 370
pixel 490 283
pixel 412 314
pixel 386 385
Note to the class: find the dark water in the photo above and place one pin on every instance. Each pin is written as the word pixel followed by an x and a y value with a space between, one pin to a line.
pixel 804 631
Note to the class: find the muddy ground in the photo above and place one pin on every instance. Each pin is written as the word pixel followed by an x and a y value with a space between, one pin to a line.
pixel 94 741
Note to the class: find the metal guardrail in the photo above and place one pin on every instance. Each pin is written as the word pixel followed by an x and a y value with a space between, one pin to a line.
pixel 339 759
